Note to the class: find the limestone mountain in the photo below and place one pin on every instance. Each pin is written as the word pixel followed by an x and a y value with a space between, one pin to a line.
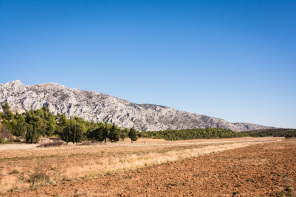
pixel 96 106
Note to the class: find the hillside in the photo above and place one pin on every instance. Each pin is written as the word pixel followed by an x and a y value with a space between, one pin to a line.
pixel 91 105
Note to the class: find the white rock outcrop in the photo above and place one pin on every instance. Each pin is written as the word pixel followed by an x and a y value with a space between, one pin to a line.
pixel 102 107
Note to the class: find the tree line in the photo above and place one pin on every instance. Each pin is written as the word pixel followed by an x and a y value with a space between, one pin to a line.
pixel 187 134
pixel 272 133
pixel 34 124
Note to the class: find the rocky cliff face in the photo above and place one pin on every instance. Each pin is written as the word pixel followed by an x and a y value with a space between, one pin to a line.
pixel 102 107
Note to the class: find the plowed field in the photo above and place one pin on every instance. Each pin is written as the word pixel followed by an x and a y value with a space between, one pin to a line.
pixel 260 169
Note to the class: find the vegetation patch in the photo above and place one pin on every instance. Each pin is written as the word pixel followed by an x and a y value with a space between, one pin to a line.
pixel 31 125
pixel 287 133
pixel 51 144
pixel 187 134
pixel 14 171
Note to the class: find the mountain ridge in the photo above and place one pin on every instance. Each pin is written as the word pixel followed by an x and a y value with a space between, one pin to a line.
pixel 96 106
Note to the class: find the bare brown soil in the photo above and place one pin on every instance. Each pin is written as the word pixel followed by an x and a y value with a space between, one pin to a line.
pixel 265 169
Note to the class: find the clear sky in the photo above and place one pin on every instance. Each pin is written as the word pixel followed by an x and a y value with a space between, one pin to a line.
pixel 234 60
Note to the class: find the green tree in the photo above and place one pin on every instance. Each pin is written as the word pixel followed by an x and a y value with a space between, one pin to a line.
pixel 106 131
pixel 21 126
pixel 78 133
pixel 66 134
pixel 133 135
pixel 5 134
pixel 33 130
pixel 98 134
pixel 51 125
pixel 124 133
pixel 61 122
pixel 45 110
pixel 6 108
pixel 40 113
pixel 1 115
pixel 73 132
pixel 114 134
pixel 32 134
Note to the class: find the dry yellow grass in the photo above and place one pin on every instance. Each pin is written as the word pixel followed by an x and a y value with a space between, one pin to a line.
pixel 23 166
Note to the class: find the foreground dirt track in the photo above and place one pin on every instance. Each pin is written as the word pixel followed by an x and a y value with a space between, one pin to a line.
pixel 267 169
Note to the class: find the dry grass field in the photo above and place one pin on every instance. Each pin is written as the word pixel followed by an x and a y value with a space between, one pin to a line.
pixel 151 168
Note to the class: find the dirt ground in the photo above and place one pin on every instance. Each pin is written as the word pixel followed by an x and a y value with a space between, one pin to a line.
pixel 264 169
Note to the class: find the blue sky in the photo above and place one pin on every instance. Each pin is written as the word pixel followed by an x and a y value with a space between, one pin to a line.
pixel 234 60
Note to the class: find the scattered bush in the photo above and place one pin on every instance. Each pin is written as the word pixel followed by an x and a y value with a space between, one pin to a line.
pixel 40 175
pixel 14 172
pixel 86 144
pixel 17 140
pixel 51 144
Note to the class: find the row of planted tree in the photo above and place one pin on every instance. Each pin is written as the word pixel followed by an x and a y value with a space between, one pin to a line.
pixel 34 124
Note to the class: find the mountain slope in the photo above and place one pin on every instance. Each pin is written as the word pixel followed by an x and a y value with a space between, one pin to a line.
pixel 102 107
